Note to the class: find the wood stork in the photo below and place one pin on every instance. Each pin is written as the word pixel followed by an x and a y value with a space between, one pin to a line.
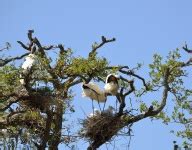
pixel 111 84
pixel 30 60
pixel 93 91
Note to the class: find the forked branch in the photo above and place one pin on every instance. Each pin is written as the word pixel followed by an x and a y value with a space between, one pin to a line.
pixel 104 41
pixel 186 49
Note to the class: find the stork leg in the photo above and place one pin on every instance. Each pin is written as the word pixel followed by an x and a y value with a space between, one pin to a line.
pixel 116 105
pixel 99 105
pixel 92 107
pixel 104 105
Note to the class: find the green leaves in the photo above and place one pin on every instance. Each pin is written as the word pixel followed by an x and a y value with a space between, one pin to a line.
pixel 143 107
pixel 164 117
pixel 9 77
pixel 157 70
pixel 91 66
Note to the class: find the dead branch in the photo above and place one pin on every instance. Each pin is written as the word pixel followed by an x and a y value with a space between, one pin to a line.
pixel 23 45
pixel 131 73
pixel 8 45
pixel 186 49
pixel 6 61
pixel 104 41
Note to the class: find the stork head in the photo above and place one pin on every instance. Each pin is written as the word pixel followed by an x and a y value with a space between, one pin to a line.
pixel 112 78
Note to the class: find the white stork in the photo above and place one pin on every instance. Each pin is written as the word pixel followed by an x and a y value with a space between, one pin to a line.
pixel 30 60
pixel 93 91
pixel 111 84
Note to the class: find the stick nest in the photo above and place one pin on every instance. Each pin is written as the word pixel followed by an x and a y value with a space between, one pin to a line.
pixel 39 99
pixel 101 126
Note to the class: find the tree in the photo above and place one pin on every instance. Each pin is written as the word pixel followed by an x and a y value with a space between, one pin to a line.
pixel 35 112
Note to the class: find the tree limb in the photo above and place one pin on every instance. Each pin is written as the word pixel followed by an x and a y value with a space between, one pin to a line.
pixel 6 61
pixel 152 112
pixel 23 45
pixel 131 73
pixel 186 49
pixel 104 41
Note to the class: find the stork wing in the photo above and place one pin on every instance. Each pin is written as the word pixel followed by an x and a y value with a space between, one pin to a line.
pixel 93 87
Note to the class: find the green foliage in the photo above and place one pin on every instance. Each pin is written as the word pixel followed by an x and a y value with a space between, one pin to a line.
pixel 63 60
pixel 9 77
pixel 181 95
pixel 92 66
pixel 66 65
pixel 143 107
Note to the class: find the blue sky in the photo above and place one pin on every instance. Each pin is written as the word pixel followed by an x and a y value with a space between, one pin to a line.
pixel 141 28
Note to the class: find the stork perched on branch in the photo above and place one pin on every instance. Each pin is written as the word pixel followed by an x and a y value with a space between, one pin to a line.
pixel 30 60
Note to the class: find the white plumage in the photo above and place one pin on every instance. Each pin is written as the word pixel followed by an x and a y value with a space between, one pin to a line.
pixel 94 113
pixel 4 131
pixel 110 110
pixel 93 91
pixel 30 60
pixel 111 84
pixel 22 81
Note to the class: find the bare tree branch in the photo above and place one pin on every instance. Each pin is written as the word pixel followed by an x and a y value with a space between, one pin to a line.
pixel 104 41
pixel 6 61
pixel 30 32
pixel 131 73
pixel 132 88
pixel 23 45
pixel 186 49
pixel 8 45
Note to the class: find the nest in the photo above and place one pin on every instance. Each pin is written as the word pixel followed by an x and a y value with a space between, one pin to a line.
pixel 101 126
pixel 39 102
pixel 39 99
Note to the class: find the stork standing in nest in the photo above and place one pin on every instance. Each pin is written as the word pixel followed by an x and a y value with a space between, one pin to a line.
pixel 93 91
pixel 111 85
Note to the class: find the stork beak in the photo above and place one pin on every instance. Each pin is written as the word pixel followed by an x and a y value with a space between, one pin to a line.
pixel 85 87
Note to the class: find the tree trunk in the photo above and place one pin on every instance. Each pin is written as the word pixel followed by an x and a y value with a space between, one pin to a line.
pixel 45 135
pixel 56 138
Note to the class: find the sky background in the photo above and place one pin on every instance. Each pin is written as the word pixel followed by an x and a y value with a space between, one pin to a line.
pixel 141 28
